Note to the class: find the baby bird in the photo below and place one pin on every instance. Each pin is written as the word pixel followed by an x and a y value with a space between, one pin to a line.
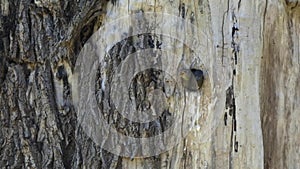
pixel 192 79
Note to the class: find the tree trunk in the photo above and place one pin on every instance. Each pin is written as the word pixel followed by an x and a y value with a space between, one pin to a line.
pixel 245 115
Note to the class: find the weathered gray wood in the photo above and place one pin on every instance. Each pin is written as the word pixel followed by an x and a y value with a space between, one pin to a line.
pixel 252 60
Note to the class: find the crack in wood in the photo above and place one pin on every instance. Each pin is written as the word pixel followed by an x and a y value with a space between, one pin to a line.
pixel 223 33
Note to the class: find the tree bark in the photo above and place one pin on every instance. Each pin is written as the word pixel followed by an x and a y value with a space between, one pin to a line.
pixel 246 114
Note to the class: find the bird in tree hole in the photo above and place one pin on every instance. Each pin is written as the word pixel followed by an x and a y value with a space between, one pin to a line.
pixel 192 79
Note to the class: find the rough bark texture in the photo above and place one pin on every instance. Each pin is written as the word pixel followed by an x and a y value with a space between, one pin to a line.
pixel 254 43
